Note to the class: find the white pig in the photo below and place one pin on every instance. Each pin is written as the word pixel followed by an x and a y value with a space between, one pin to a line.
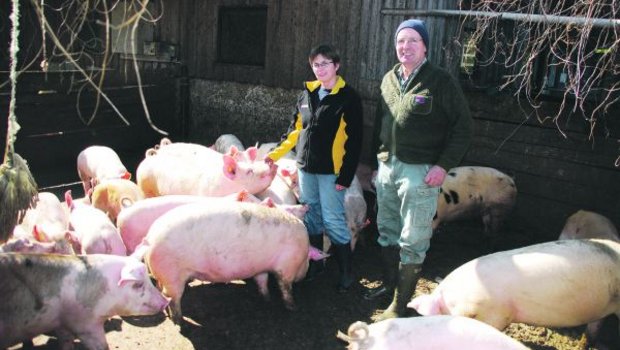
pixel 231 241
pixel 207 173
pixel 98 163
pixel 47 221
pixel 549 284
pixel 355 210
pixel 225 141
pixel 426 333
pixel 92 231
pixel 587 224
pixel 475 191
pixel 72 296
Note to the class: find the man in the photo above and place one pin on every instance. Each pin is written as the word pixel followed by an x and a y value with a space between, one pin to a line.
pixel 422 129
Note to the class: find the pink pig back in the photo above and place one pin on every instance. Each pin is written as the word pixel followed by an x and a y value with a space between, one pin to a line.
pixel 227 241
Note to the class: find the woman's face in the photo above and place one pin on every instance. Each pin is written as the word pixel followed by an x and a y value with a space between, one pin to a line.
pixel 324 69
pixel 410 48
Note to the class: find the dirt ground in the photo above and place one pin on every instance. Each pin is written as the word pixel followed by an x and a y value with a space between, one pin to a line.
pixel 234 316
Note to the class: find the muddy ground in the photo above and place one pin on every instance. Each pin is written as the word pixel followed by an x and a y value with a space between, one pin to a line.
pixel 234 316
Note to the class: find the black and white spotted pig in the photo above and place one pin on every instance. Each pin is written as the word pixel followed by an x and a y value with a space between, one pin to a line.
pixel 475 191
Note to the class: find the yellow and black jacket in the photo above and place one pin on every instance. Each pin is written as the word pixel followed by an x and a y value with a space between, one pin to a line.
pixel 326 134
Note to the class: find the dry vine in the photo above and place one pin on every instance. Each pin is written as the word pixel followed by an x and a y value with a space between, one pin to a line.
pixel 72 41
pixel 579 38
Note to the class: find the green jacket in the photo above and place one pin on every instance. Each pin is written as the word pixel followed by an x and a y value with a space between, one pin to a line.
pixel 430 123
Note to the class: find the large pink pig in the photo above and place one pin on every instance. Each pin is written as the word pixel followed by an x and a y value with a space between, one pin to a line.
pixel 230 241
pixel 425 333
pixel 72 296
pixel 92 231
pixel 554 284
pixel 205 172
pixel 98 163
pixel 134 222
pixel 474 191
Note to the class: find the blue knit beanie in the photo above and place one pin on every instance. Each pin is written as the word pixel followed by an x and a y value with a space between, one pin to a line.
pixel 417 25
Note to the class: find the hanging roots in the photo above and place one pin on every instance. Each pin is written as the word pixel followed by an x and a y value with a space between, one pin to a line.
pixel 18 192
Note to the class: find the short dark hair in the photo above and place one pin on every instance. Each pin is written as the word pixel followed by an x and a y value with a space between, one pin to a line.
pixel 324 50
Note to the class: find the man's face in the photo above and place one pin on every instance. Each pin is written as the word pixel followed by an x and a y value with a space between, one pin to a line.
pixel 324 69
pixel 410 48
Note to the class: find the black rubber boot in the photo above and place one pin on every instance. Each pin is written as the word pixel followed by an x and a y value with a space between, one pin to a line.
pixel 408 276
pixel 316 267
pixel 343 257
pixel 390 257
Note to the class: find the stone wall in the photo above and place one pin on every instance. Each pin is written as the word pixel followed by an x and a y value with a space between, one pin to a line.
pixel 253 113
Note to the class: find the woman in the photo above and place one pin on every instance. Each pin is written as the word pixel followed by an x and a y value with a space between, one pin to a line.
pixel 326 132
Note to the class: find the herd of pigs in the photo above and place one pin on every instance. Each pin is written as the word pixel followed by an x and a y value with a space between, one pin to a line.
pixel 221 213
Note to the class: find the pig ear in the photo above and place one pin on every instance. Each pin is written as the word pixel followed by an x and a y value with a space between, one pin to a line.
pixel 230 167
pixel 39 234
pixel 252 153
pixel 268 202
pixel 69 199
pixel 233 151
pixel 132 271
pixel 74 241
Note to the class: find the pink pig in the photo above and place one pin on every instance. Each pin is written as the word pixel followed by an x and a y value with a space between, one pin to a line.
pixel 48 220
pixel 230 241
pixel 544 284
pixel 72 296
pixel 204 172
pixel 91 231
pixel 423 333
pixel 98 163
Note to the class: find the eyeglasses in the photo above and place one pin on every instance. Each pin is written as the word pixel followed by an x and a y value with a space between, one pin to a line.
pixel 321 65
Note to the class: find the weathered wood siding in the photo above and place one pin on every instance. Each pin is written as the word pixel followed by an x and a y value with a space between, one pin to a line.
pixel 555 175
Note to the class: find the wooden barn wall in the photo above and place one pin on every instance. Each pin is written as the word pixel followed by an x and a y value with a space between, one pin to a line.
pixel 555 175
pixel 54 108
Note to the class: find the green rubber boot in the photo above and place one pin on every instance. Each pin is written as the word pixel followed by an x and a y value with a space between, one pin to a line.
pixel 408 276
pixel 390 257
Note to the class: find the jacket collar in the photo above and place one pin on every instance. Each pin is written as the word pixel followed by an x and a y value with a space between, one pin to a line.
pixel 313 85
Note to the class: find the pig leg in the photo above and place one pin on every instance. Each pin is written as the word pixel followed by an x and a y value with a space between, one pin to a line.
pixel 171 282
pixel 286 287
pixel 65 339
pixel 261 281
pixel 93 337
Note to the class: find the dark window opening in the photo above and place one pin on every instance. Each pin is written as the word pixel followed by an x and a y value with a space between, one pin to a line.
pixel 242 35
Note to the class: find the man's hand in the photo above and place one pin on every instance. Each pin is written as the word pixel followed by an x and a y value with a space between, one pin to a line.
pixel 435 176
pixel 269 161
pixel 340 187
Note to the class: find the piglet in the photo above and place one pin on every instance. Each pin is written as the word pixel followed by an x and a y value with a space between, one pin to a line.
pixel 92 231
pixel 554 284
pixel 72 296
pixel 98 163
pixel 111 196
pixel 46 221
pixel 424 333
